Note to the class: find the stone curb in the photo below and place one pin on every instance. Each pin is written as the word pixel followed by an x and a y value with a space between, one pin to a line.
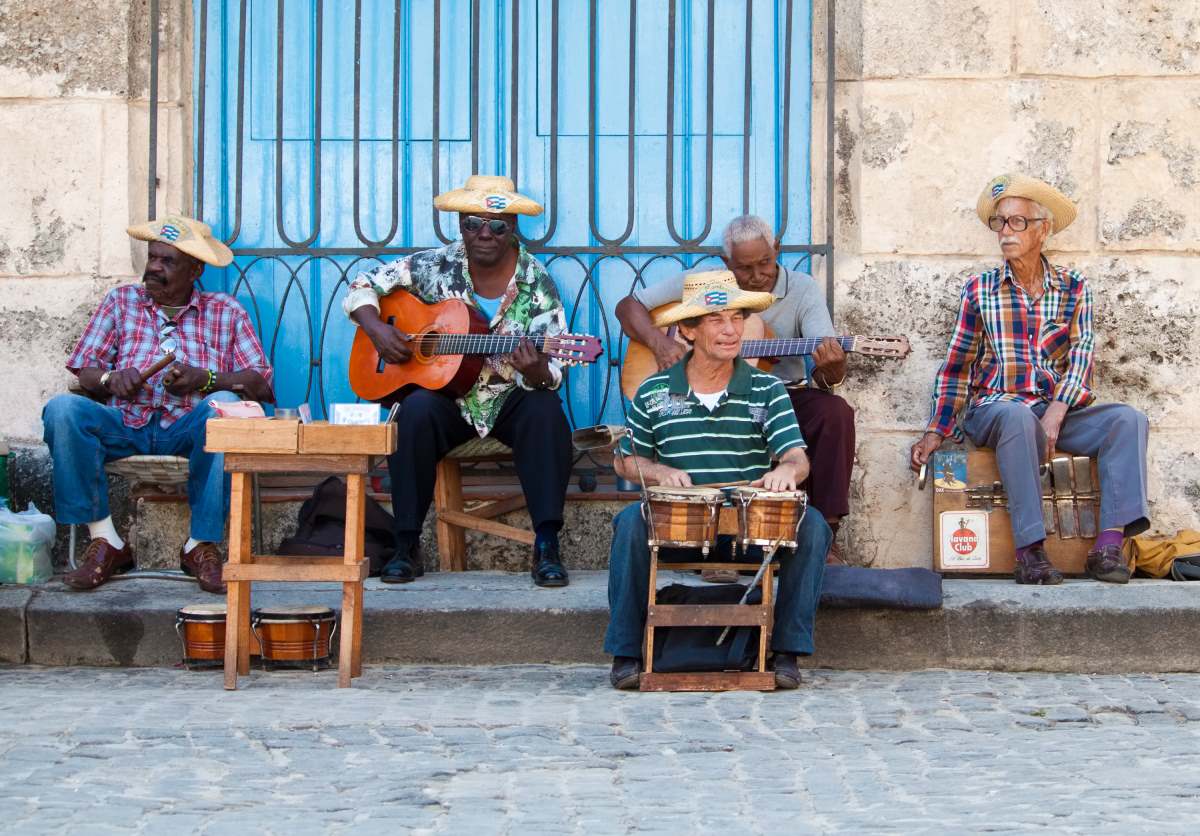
pixel 480 618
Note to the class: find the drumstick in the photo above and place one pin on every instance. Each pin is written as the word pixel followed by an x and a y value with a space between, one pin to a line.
pixel 757 576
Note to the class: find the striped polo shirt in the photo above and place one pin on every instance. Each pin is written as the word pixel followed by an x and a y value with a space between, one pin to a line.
pixel 752 421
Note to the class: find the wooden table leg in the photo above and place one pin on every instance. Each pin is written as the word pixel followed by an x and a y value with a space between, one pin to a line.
pixel 237 601
pixel 350 650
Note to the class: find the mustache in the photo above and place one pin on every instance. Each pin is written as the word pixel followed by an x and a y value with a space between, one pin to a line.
pixel 1008 239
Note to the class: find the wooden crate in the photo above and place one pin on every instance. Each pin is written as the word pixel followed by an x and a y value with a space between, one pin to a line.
pixel 964 505
pixel 344 439
pixel 251 435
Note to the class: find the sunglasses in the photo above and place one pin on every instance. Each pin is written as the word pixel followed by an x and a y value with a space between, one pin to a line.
pixel 471 223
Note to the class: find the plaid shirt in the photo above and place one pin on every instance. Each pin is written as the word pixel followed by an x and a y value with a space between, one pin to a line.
pixel 213 332
pixel 1006 347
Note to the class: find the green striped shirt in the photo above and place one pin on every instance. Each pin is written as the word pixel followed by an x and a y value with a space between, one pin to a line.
pixel 752 422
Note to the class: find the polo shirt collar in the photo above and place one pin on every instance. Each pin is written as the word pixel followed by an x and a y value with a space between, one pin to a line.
pixel 739 383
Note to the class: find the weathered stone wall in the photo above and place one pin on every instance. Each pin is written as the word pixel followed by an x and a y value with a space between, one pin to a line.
pixel 1100 98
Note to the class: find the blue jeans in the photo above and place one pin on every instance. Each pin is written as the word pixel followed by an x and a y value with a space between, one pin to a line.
pixel 800 576
pixel 82 435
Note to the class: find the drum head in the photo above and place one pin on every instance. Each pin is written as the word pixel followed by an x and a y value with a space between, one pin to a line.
pixel 659 493
pixel 202 612
pixel 298 613
pixel 747 493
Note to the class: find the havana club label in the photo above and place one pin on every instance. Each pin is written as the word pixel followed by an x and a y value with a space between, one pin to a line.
pixel 964 538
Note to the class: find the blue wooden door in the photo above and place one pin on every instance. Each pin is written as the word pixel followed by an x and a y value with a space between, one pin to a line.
pixel 323 129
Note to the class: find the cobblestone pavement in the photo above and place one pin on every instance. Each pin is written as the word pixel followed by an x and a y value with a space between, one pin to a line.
pixel 541 749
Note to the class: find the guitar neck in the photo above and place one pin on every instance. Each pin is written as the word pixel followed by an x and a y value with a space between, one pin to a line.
pixel 790 348
pixel 476 343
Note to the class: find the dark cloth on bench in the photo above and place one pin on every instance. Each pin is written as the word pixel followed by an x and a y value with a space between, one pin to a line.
pixel 849 587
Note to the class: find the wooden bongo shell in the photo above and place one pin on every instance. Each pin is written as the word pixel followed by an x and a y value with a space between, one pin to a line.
pixel 767 517
pixel 294 636
pixel 681 517
pixel 201 630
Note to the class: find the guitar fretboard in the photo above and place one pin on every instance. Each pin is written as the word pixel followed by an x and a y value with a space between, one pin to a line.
pixel 790 348
pixel 473 343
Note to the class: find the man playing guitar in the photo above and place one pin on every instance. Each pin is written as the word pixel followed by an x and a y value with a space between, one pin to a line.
pixel 514 398
pixel 751 253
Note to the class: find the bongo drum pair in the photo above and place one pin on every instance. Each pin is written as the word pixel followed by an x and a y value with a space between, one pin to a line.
pixel 288 637
pixel 690 517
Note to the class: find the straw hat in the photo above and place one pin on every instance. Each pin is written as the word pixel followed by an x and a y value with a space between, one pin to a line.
pixel 187 235
pixel 710 292
pixel 486 193
pixel 1062 210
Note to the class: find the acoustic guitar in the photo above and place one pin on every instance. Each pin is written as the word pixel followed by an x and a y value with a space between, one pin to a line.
pixel 449 341
pixel 757 344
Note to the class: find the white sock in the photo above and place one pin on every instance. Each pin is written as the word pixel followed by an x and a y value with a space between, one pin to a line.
pixel 105 528
pixel 190 544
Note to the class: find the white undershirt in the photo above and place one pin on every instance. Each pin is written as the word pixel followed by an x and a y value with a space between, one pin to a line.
pixel 709 399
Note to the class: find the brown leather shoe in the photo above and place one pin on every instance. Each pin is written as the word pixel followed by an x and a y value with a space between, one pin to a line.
pixel 100 562
pixel 1107 564
pixel 204 564
pixel 834 556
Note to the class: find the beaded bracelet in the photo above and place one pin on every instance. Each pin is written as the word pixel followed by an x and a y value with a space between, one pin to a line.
pixel 210 383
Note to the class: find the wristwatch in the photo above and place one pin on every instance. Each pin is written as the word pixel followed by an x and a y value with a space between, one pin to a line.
pixel 104 378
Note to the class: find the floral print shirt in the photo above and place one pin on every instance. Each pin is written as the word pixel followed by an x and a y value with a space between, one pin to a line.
pixel 530 306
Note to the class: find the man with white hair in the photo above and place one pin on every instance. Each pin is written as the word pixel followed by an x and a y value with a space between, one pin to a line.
pixel 1019 369
pixel 751 252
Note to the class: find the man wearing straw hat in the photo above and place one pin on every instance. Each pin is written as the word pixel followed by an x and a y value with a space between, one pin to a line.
pixel 515 398
pixel 712 419
pixel 134 330
pixel 1018 375
pixel 751 252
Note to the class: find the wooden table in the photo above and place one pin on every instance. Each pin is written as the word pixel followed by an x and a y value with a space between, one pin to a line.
pixel 258 445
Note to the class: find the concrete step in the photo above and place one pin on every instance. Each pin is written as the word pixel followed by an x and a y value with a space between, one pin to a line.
pixel 499 618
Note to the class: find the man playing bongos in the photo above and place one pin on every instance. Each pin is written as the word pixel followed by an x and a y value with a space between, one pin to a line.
pixel 712 419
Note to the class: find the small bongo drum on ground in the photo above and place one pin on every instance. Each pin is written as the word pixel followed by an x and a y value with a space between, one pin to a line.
pixel 201 629
pixel 767 518
pixel 682 517
pixel 291 637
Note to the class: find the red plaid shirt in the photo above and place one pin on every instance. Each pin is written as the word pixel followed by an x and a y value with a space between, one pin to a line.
pixel 1006 347
pixel 213 332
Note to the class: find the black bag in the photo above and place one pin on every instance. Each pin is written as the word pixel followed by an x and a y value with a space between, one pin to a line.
pixel 321 528
pixel 695 649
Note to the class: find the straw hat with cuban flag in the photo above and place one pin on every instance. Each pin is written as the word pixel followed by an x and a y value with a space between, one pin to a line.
pixel 711 292
pixel 1062 210
pixel 487 193
pixel 187 235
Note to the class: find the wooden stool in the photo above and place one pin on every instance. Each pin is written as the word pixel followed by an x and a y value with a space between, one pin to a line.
pixel 259 445
pixel 759 615
pixel 453 519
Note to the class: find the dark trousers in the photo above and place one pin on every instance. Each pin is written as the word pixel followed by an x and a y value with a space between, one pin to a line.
pixel 430 426
pixel 827 424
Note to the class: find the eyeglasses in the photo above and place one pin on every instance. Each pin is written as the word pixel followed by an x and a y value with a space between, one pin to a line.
pixel 166 334
pixel 1017 223
pixel 472 223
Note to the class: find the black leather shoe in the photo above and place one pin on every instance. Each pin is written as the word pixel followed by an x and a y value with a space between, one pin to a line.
pixel 787 672
pixel 625 673
pixel 548 569
pixel 403 568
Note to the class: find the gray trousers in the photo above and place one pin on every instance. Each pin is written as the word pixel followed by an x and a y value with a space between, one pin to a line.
pixel 1112 432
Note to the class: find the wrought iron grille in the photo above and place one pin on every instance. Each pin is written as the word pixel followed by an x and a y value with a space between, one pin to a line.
pixel 323 129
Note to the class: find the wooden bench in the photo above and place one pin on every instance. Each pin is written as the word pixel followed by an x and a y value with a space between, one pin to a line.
pixel 453 518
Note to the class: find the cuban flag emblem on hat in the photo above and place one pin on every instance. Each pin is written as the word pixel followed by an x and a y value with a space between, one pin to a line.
pixel 998 186
pixel 496 202
pixel 715 297
pixel 169 231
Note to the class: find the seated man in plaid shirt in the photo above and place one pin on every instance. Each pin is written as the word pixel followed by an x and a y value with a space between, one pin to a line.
pixel 1019 367
pixel 216 354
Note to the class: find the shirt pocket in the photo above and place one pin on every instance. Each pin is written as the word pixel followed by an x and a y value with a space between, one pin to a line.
pixel 1055 341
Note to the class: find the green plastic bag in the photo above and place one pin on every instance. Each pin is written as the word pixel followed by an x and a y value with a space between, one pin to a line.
pixel 25 541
